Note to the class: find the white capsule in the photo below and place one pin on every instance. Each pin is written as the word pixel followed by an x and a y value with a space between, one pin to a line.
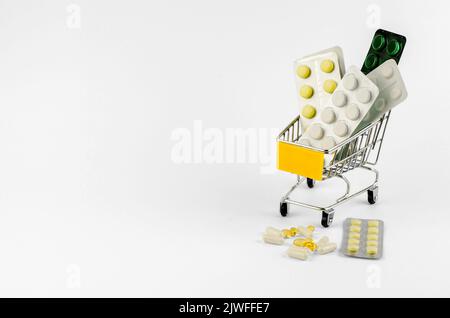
pixel 273 239
pixel 298 252
pixel 323 241
pixel 272 231
pixel 327 248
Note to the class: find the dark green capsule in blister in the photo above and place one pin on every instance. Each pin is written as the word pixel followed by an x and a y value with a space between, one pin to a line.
pixel 385 46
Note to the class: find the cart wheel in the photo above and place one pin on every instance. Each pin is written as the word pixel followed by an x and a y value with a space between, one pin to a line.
pixel 372 195
pixel 283 208
pixel 310 183
pixel 327 218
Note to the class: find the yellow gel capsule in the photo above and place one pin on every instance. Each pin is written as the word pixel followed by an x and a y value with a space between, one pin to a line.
pixel 372 237
pixel 355 222
pixel 286 233
pixel 353 249
pixel 372 230
pixel 311 246
pixel 355 228
pixel 327 66
pixel 309 112
pixel 372 250
pixel 373 223
pixel 329 86
pixel 372 243
pixel 354 235
pixel 293 231
pixel 299 242
pixel 303 71
pixel 306 91
pixel 353 242
pixel 310 228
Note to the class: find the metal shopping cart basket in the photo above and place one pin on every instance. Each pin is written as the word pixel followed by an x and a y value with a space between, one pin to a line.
pixel 362 150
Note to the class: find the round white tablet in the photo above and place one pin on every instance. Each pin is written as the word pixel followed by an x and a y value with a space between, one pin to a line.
pixel 363 95
pixel 395 93
pixel 350 82
pixel 352 112
pixel 380 104
pixel 315 131
pixel 340 128
pixel 387 71
pixel 339 99
pixel 327 143
pixel 328 115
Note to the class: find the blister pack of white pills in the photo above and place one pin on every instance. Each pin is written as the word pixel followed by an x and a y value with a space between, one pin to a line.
pixel 316 77
pixel 348 105
pixel 363 238
pixel 392 92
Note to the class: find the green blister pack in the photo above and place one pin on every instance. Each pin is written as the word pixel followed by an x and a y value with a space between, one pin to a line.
pixel 385 46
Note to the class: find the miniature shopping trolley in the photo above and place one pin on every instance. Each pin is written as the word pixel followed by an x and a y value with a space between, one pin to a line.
pixel 362 150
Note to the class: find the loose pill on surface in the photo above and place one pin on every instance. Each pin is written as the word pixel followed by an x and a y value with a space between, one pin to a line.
pixel 293 231
pixel 273 239
pixel 286 233
pixel 372 230
pixel 298 252
pixel 299 242
pixel 372 237
pixel 272 231
pixel 327 248
pixel 372 243
pixel 323 241
pixel 306 91
pixel 354 235
pixel 303 71
pixel 304 232
pixel 309 111
pixel 355 228
pixel 327 66
pixel 373 223
pixel 372 250
pixel 329 86
pixel 311 228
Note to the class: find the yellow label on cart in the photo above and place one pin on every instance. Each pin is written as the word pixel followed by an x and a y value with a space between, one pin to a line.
pixel 299 160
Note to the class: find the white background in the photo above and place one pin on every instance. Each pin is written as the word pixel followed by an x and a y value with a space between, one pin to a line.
pixel 93 204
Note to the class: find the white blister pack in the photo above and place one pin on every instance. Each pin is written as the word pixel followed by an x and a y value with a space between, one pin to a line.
pixel 316 77
pixel 348 105
pixel 392 91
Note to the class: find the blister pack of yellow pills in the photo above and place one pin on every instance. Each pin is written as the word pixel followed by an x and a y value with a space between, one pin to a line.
pixel 363 238
pixel 316 77
pixel 349 103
